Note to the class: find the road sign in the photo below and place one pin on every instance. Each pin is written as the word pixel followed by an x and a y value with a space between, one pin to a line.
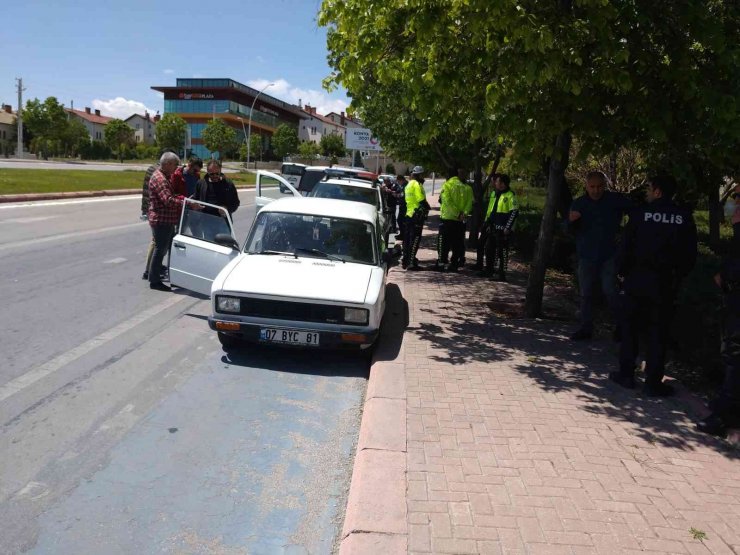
pixel 358 138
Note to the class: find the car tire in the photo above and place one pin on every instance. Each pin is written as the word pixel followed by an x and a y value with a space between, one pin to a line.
pixel 228 341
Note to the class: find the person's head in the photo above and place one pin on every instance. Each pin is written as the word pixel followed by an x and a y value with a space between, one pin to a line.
pixel 417 172
pixel 462 174
pixel 195 164
pixel 400 179
pixel 595 184
pixel 168 163
pixel 214 169
pixel 502 182
pixel 660 186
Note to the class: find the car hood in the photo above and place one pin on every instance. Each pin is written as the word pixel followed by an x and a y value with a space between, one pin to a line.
pixel 303 278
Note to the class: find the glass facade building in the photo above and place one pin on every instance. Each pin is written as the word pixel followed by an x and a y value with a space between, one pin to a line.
pixel 198 101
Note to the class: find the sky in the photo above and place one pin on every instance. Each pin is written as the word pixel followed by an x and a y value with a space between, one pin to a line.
pixel 107 56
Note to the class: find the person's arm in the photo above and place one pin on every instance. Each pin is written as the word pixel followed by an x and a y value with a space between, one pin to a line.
pixel 163 193
pixel 145 191
pixel 234 197
pixel 574 216
pixel 626 247
pixel 512 215
pixel 687 246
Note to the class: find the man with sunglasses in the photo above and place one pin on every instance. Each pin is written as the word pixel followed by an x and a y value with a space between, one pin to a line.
pixel 216 189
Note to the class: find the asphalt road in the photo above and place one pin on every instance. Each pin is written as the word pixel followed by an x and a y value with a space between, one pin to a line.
pixel 124 426
pixel 9 163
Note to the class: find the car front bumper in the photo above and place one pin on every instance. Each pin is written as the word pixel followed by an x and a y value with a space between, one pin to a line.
pixel 361 338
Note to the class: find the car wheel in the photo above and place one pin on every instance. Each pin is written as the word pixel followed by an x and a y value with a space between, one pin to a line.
pixel 228 341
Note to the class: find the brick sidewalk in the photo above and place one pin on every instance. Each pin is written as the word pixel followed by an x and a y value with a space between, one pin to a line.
pixel 517 443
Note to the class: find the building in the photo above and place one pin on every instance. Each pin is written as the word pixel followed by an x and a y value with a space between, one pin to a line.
pixel 344 120
pixel 199 101
pixel 314 126
pixel 144 127
pixel 94 122
pixel 8 125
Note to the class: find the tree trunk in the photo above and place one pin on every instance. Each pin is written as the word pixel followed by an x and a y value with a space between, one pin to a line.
pixel 556 180
pixel 715 210
pixel 476 220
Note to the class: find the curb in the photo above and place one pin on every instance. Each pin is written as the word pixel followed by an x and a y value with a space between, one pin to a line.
pixel 31 197
pixel 376 516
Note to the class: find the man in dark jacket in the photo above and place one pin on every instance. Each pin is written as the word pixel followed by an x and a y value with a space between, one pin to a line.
pixel 726 407
pixel 595 219
pixel 216 189
pixel 658 250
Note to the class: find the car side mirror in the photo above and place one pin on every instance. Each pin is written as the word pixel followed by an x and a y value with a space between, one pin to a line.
pixel 226 240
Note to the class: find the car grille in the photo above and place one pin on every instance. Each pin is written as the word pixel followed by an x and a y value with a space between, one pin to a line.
pixel 284 310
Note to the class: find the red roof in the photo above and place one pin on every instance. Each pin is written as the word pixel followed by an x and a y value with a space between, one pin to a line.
pixel 92 118
pixel 322 118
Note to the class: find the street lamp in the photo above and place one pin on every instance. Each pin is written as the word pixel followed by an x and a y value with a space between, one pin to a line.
pixel 245 135
pixel 249 132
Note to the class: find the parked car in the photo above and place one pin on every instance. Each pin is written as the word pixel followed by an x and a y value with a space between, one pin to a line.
pixel 312 273
pixel 292 172
pixel 314 174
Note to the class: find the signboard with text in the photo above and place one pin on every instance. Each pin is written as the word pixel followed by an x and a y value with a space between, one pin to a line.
pixel 358 138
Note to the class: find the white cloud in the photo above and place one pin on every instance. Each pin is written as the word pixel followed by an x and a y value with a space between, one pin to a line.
pixel 120 107
pixel 169 71
pixel 285 91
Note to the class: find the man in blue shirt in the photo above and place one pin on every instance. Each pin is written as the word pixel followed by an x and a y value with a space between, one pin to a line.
pixel 595 219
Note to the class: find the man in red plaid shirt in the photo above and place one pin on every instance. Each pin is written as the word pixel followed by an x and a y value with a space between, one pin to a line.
pixel 164 214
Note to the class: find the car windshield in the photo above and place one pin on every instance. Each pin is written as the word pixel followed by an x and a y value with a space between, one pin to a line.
pixel 305 235
pixel 290 169
pixel 345 192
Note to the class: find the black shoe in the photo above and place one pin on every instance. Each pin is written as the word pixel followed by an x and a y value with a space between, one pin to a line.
pixel 621 379
pixel 477 267
pixel 452 268
pixel 159 286
pixel 498 277
pixel 440 267
pixel 581 335
pixel 658 390
pixel 713 425
pixel 485 274
pixel 145 276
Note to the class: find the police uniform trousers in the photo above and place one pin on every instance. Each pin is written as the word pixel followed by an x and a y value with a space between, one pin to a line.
pixel 413 228
pixel 451 237
pixel 651 313
pixel 497 252
pixel 728 402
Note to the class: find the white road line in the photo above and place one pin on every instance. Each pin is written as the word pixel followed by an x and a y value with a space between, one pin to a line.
pixel 29 204
pixel 40 372
pixel 28 220
pixel 115 261
pixel 27 242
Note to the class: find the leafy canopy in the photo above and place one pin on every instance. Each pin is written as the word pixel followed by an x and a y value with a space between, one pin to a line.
pixel 219 137
pixel 171 132
pixel 285 140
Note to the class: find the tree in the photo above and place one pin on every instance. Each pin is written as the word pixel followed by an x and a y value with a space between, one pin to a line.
pixel 285 141
pixel 332 146
pixel 171 132
pixel 464 77
pixel 309 150
pixel 46 122
pixel 119 137
pixel 73 136
pixel 255 147
pixel 219 137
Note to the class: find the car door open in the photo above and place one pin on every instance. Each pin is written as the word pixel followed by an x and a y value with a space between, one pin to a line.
pixel 196 257
pixel 271 186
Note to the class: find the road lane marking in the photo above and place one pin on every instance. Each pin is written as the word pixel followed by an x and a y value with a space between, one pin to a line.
pixel 40 372
pixel 73 235
pixel 115 261
pixel 30 203
pixel 28 220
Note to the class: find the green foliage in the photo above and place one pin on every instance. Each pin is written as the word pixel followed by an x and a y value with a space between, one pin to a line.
pixel 255 147
pixel 285 141
pixel 46 123
pixel 332 146
pixel 390 169
pixel 698 534
pixel 146 152
pixel 74 137
pixel 171 132
pixel 95 150
pixel 308 149
pixel 119 137
pixel 219 137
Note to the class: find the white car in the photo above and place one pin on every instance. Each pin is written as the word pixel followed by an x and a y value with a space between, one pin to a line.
pixel 312 272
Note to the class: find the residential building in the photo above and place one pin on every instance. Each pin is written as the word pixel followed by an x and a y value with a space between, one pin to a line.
pixel 94 122
pixel 144 127
pixel 344 120
pixel 8 125
pixel 199 101
pixel 314 126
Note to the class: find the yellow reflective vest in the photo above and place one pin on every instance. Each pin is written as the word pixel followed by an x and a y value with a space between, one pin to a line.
pixel 415 195
pixel 507 209
pixel 456 198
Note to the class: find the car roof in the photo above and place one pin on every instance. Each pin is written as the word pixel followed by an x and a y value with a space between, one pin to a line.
pixel 348 181
pixel 331 208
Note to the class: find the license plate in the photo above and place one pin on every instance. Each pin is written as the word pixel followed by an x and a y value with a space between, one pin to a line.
pixel 291 337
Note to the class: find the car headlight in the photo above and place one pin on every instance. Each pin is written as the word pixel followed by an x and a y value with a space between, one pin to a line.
pixel 228 304
pixel 356 315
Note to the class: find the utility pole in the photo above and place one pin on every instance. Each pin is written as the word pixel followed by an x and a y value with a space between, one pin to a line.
pixel 19 116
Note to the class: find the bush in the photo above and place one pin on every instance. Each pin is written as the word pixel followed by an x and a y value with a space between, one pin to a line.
pixel 390 169
pixel 95 150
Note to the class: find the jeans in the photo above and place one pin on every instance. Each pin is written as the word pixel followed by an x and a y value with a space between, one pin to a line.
pixel 162 235
pixel 589 273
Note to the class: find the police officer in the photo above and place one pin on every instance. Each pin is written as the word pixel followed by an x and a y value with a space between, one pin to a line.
pixel 726 407
pixel 503 209
pixel 456 202
pixel 417 209
pixel 658 249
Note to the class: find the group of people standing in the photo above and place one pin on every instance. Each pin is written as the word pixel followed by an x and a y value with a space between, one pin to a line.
pixel 166 186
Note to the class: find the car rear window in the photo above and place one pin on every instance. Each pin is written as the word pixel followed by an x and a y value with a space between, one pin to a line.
pixel 291 169
pixel 345 192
